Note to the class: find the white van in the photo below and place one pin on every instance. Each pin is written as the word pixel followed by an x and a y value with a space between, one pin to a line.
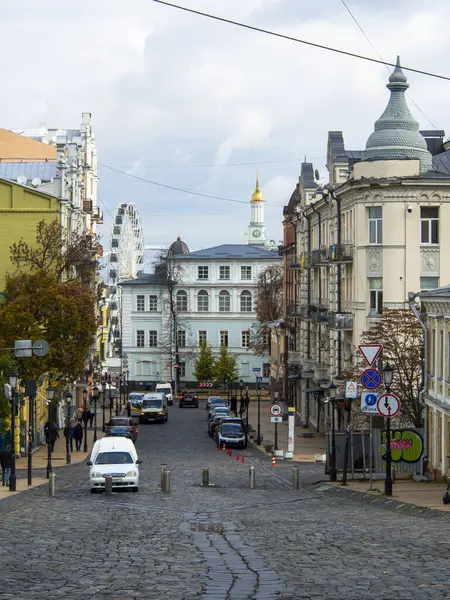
pixel 154 408
pixel 115 457
pixel 165 388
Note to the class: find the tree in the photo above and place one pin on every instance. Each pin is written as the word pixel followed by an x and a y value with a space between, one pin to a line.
pixel 6 365
pixel 402 338
pixel 268 305
pixel 204 363
pixel 226 366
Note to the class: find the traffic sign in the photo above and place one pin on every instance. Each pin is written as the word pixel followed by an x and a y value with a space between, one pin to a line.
pixel 370 352
pixel 351 389
pixel 276 410
pixel 276 419
pixel 388 405
pixel 259 380
pixel 256 369
pixel 371 379
pixel 369 403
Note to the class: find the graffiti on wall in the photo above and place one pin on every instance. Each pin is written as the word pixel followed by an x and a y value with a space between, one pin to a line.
pixel 406 445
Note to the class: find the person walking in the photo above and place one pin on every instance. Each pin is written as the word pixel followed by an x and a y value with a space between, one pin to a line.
pixel 242 406
pixel 68 433
pixel 51 434
pixel 91 415
pixel 233 405
pixel 78 436
pixel 5 462
pixel 129 408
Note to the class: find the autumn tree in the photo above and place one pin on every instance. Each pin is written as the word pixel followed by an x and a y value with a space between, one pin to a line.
pixel 226 366
pixel 204 363
pixel 268 306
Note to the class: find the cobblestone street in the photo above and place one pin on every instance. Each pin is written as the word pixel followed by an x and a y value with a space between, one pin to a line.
pixel 225 542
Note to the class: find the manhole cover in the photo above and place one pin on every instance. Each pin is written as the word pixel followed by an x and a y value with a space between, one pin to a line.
pixel 208 527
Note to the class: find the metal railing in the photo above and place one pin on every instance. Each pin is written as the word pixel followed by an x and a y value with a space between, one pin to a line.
pixel 319 257
pixel 338 253
pixel 87 206
pixel 341 321
pixel 319 316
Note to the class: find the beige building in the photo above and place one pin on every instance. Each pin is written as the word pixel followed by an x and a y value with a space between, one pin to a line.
pixel 361 242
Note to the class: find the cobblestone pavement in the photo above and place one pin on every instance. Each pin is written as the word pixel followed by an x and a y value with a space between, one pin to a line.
pixel 225 542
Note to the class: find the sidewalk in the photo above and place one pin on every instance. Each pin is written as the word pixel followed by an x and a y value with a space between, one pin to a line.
pixel 308 446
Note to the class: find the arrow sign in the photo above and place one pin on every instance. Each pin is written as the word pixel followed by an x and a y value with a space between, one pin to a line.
pixel 388 405
pixel 370 352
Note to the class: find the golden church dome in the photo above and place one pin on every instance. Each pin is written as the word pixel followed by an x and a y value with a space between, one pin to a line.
pixel 257 195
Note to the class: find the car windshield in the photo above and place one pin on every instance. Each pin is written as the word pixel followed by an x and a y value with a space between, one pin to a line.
pixel 136 403
pixel 217 401
pixel 114 458
pixel 118 429
pixel 231 428
pixel 154 403
pixel 221 410
pixel 165 390
pixel 119 423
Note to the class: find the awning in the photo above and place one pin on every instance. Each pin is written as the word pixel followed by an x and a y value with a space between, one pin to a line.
pixel 313 390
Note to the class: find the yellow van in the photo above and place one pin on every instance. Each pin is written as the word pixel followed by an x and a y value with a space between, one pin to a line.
pixel 154 408
pixel 135 400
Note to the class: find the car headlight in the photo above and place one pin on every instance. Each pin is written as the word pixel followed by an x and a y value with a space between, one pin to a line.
pixel 97 474
pixel 131 474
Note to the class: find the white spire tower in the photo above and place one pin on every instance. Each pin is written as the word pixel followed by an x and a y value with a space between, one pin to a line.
pixel 256 230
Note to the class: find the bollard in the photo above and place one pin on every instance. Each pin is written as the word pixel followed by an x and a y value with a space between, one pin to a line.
pixel 296 478
pixel 205 477
pixel 108 485
pixel 52 484
pixel 163 468
pixel 166 481
pixel 251 473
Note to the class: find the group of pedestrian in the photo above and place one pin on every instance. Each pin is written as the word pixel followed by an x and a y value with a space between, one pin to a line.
pixel 74 431
pixel 243 404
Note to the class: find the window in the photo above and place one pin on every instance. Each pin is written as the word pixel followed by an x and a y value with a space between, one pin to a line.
pixel 153 339
pixel 245 369
pixel 203 301
pixel 202 337
pixel 429 283
pixel 181 338
pixel 202 273
pixel 224 338
pixel 375 225
pixel 153 303
pixel 245 339
pixel 224 301
pixel 182 302
pixel 246 272
pixel 182 369
pixel 140 339
pixel 376 295
pixel 145 368
pixel 429 225
pixel 246 301
pixel 266 370
pixel 224 272
pixel 140 303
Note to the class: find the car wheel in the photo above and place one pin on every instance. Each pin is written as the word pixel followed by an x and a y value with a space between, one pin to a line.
pixel 196 406
pixel 93 491
pixel 135 489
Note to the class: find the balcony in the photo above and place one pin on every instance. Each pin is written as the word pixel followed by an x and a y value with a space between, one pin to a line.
pixel 319 257
pixel 308 365
pixel 340 253
pixel 87 206
pixel 319 317
pixel 321 373
pixel 340 321
pixel 294 262
pixel 294 357
pixel 293 309
pixel 97 215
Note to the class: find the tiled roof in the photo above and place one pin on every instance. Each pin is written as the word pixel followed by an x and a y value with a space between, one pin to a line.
pixel 441 162
pixel 146 279
pixel 46 171
pixel 232 251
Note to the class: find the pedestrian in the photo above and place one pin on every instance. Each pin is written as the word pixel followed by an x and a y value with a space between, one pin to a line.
pixel 247 401
pixel 51 434
pixel 5 462
pixel 129 408
pixel 68 433
pixel 91 415
pixel 78 436
pixel 233 405
pixel 242 406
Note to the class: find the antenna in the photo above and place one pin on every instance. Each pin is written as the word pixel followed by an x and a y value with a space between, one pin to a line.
pixel 22 179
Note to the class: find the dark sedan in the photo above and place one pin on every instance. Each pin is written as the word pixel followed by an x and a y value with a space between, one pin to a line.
pixel 188 399
pixel 133 427
pixel 118 431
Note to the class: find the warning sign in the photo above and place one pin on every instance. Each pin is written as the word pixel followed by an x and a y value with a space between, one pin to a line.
pixel 351 389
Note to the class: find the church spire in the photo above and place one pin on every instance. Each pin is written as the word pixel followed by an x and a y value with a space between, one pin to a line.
pixel 257 196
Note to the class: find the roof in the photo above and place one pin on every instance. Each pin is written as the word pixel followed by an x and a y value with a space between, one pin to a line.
pixel 17 147
pixel 179 247
pixel 307 175
pixel 145 279
pixel 45 171
pixel 441 162
pixel 232 251
pixel 442 291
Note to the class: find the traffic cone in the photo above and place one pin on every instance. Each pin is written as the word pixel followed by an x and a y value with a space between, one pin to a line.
pixel 237 456
pixel 218 447
pixel 223 448
pixel 243 459
pixel 274 464
pixel 230 453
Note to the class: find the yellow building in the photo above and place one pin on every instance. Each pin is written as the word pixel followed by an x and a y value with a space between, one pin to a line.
pixel 437 388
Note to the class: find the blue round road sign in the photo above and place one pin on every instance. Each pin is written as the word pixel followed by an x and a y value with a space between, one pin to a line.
pixel 371 399
pixel 371 379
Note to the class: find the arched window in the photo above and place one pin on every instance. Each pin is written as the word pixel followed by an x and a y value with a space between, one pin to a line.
pixel 203 301
pixel 182 303
pixel 224 301
pixel 246 301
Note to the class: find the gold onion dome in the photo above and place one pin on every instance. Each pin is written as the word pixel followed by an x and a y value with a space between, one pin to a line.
pixel 257 195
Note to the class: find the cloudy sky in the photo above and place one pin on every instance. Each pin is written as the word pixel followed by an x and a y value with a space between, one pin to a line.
pixel 197 104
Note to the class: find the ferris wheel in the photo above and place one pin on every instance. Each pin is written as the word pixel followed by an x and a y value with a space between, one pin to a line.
pixel 126 261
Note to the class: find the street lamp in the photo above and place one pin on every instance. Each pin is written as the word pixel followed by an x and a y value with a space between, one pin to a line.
pixel 110 398
pixel 68 397
pixel 388 374
pixel 258 392
pixel 333 471
pixel 103 386
pixel 247 404
pixel 85 396
pixel 95 398
pixel 241 390
pixel 12 379
pixel 50 391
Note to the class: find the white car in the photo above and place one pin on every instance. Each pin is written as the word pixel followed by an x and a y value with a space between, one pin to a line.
pixel 115 457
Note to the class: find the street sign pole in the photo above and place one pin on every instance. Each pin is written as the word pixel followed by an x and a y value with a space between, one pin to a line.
pixel 276 436
pixel 258 392
pixel 371 451
pixel 388 480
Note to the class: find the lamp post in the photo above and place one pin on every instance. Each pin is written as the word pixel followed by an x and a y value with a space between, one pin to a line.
pixel 12 378
pixel 50 393
pixel 68 397
pixel 275 397
pixel 85 396
pixel 333 471
pixel 103 387
pixel 258 393
pixel 388 373
pixel 241 390
pixel 110 397
pixel 95 398
pixel 247 402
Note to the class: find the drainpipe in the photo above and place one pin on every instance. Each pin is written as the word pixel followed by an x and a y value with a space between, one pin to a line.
pixel 411 297
pixel 309 284
pixel 320 273
pixel 338 275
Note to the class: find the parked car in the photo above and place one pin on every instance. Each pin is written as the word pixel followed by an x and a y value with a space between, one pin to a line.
pixel 214 402
pixel 165 388
pixel 130 423
pixel 188 399
pixel 231 434
pixel 229 419
pixel 115 457
pixel 118 431
pixel 217 414
pixel 154 408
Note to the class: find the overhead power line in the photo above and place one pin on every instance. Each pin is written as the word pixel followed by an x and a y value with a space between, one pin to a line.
pixel 297 40
pixel 236 164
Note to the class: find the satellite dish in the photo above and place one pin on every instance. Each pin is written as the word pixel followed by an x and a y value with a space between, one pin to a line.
pixel 21 179
pixel 317 174
pixel 35 182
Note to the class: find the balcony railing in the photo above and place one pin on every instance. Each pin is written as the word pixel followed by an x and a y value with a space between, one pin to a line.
pixel 319 257
pixel 340 321
pixel 319 317
pixel 97 215
pixel 321 373
pixel 294 262
pixel 294 357
pixel 340 253
pixel 87 206
pixel 293 309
